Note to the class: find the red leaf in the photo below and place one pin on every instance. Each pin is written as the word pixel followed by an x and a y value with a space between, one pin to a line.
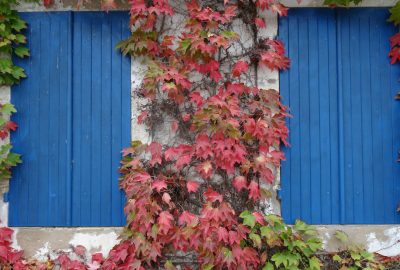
pixel 5 234
pixel 156 153
pixel 239 68
pixel 3 134
pixel 174 126
pixel 280 9
pixel 196 98
pixel 239 183
pixel 159 185
pixel 260 22
pixel 254 189
pixel 186 218
pixel 142 177
pixel 192 186
pixel 230 12
pixel 174 152
pixel 166 198
pixel 3 253
pixel 108 4
pixel 259 218
pixel 164 221
pixel 203 146
pixel 223 234
pixel 47 2
pixel 275 58
pixel 137 6
pixel 80 250
pixel 185 117
pixel 14 256
pixel 97 257
pixel 142 116
pixel 205 169
pixel 212 196
pixel 395 40
pixel 394 55
pixel 11 125
pixel 183 160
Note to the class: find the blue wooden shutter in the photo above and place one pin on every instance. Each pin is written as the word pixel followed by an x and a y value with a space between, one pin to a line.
pixel 39 187
pixel 74 118
pixel 101 117
pixel 345 130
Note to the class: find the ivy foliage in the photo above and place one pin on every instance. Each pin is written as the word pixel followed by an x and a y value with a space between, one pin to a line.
pixel 7 158
pixel 395 14
pixel 12 43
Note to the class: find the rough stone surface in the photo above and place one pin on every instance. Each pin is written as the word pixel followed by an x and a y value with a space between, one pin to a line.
pixel 5 97
pixel 42 242
pixel 66 5
pixel 383 239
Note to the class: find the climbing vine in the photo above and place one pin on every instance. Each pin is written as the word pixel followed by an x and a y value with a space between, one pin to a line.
pixel 12 44
pixel 198 200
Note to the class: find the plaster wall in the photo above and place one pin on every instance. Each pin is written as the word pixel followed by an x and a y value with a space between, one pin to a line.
pixel 40 242
pixel 5 97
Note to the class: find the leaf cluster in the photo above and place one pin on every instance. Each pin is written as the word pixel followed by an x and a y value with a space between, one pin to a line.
pixel 354 257
pixel 12 43
pixel 283 246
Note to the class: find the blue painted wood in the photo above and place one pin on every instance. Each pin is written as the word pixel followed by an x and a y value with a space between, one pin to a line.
pixel 345 131
pixel 309 88
pixel 370 167
pixel 38 186
pixel 101 118
pixel 74 118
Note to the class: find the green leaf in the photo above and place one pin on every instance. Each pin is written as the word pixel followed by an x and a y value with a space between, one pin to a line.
pixel 21 39
pixel 18 24
pixel 304 228
pixel 342 236
pixel 286 259
pixel 13 159
pixel 208 266
pixel 274 218
pixel 185 44
pixel 18 73
pixel 5 65
pixel 7 109
pixel 395 14
pixel 337 258
pixel 229 34
pixel 343 3
pixel 248 219
pixel 314 243
pixel 21 51
pixel 355 256
pixel 268 266
pixel 266 232
pixel 279 259
pixel 315 264
pixel 169 266
pixel 256 239
pixel 367 255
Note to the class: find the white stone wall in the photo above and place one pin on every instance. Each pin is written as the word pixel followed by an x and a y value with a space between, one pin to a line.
pixel 5 97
